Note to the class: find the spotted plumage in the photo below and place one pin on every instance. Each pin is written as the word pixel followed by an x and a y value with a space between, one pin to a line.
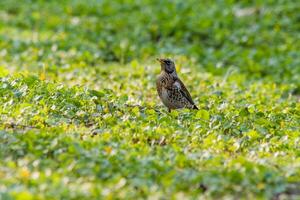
pixel 170 88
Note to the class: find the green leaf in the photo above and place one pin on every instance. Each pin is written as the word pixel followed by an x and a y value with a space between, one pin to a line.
pixel 203 114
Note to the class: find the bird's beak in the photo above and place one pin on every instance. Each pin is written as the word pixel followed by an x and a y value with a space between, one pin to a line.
pixel 159 60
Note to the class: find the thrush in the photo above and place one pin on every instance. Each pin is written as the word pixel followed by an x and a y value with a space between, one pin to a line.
pixel 171 89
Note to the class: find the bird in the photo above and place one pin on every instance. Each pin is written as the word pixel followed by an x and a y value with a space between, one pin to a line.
pixel 171 89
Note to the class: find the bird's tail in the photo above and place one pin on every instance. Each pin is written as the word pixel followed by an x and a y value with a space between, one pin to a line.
pixel 195 107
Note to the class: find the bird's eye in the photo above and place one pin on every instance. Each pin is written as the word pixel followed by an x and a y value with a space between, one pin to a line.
pixel 168 62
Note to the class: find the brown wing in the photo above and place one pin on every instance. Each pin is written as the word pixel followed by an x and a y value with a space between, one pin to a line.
pixel 184 91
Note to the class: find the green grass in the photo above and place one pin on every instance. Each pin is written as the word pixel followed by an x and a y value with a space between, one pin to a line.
pixel 80 117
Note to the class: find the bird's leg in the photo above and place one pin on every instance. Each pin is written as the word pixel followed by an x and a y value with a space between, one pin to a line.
pixel 169 110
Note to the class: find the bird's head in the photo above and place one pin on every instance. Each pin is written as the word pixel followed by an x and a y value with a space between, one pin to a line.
pixel 167 65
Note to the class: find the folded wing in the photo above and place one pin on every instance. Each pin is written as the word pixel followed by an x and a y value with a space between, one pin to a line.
pixel 184 92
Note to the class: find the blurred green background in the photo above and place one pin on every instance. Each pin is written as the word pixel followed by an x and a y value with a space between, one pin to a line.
pixel 258 38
